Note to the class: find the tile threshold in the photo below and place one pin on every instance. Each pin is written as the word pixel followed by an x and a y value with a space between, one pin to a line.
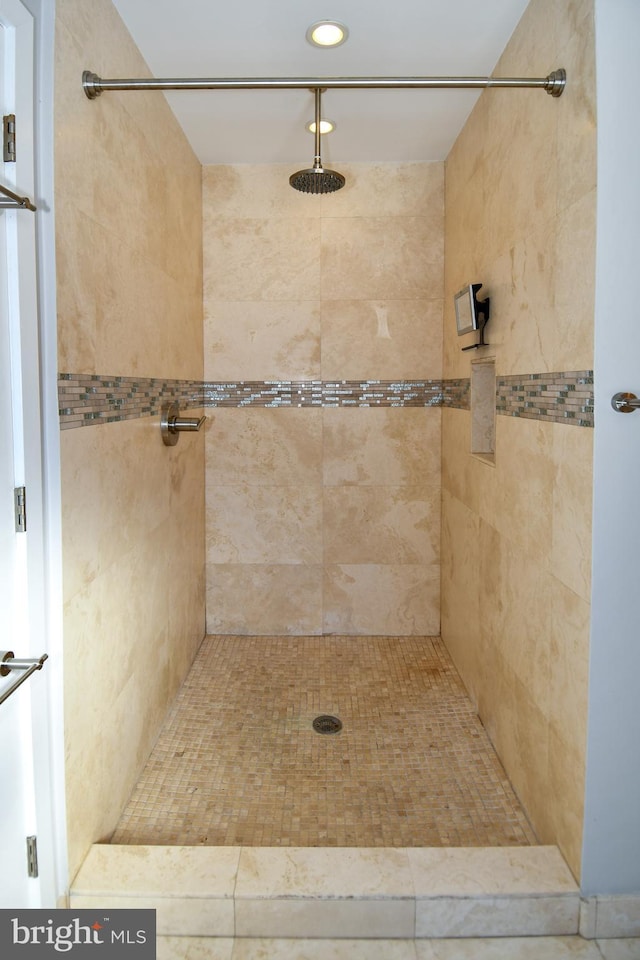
pixel 302 892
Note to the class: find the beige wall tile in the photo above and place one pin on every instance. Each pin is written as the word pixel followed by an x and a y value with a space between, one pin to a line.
pixel 572 510
pixel 391 258
pixel 575 287
pixel 519 731
pixel 375 524
pixel 522 283
pixel 130 264
pixel 569 665
pixel 519 503
pixel 304 310
pixel 102 762
pixel 382 599
pixel 264 446
pixel 566 783
pixel 519 217
pixel 577 108
pixel 129 293
pixel 394 189
pixel 519 182
pixel 462 579
pixel 456 465
pixel 278 340
pixel 252 259
pixel 264 599
pixel 513 618
pixel 264 524
pixel 246 190
pixel 186 525
pixel 381 339
pixel 105 509
pixel 391 446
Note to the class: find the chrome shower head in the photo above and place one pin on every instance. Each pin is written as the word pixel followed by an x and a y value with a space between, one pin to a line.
pixel 317 179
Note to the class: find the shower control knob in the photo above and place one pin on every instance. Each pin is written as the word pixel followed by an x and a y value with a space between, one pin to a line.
pixel 625 402
pixel 172 424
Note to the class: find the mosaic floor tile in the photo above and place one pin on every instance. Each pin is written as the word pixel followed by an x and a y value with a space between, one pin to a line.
pixel 239 763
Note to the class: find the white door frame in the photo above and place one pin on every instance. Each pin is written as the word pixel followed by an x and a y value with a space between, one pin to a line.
pixel 611 841
pixel 42 474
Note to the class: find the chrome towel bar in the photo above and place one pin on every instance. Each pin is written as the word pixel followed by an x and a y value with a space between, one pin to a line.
pixel 13 202
pixel 8 663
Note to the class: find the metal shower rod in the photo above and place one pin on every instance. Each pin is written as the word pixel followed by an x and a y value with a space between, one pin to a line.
pixel 94 85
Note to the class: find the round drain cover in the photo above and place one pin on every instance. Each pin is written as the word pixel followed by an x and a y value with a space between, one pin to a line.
pixel 327 724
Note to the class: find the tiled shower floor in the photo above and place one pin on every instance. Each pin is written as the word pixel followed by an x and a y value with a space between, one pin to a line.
pixel 238 763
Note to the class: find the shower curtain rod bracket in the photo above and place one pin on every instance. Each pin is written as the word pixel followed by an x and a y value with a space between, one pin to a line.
pixel 94 86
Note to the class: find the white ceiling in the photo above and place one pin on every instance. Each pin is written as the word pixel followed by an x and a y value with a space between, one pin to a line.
pixel 266 38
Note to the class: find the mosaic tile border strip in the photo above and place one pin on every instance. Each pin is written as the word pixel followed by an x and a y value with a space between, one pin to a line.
pixel 565 397
pixel 559 397
pixel 85 400
pixel 324 393
pixel 457 393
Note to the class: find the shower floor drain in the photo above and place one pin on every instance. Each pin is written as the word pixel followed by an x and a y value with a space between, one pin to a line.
pixel 327 724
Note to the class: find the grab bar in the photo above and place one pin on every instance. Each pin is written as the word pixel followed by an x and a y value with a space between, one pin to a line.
pixel 8 663
pixel 14 202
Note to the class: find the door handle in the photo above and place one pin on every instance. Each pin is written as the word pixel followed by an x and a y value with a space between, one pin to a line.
pixel 25 667
pixel 625 402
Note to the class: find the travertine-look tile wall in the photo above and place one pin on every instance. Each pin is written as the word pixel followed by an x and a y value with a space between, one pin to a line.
pixel 520 218
pixel 323 520
pixel 129 255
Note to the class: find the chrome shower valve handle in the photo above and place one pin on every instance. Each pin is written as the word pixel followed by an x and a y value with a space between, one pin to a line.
pixel 172 424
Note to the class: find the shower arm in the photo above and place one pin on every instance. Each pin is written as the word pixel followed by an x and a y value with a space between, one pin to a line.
pixel 93 85
pixel 317 160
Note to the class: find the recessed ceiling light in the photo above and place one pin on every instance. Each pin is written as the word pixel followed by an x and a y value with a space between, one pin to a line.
pixel 327 33
pixel 326 126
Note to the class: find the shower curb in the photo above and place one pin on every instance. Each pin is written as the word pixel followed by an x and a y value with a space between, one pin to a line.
pixel 301 892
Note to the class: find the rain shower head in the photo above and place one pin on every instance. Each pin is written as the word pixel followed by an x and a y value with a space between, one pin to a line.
pixel 317 179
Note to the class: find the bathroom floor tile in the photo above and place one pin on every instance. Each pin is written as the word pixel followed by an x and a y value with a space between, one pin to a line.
pixel 509 948
pixel 194 948
pixel 265 949
pixel 617 949
pixel 239 763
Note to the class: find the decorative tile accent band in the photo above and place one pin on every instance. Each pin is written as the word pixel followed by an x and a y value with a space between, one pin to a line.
pixel 324 393
pixel 85 400
pixel 457 393
pixel 560 397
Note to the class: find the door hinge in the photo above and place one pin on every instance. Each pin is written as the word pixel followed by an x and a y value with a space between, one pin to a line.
pixel 32 856
pixel 9 137
pixel 20 502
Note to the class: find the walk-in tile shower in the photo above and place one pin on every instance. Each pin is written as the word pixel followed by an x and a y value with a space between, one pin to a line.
pixel 343 503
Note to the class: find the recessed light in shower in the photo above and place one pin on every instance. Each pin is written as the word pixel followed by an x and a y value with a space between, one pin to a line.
pixel 327 33
pixel 326 126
